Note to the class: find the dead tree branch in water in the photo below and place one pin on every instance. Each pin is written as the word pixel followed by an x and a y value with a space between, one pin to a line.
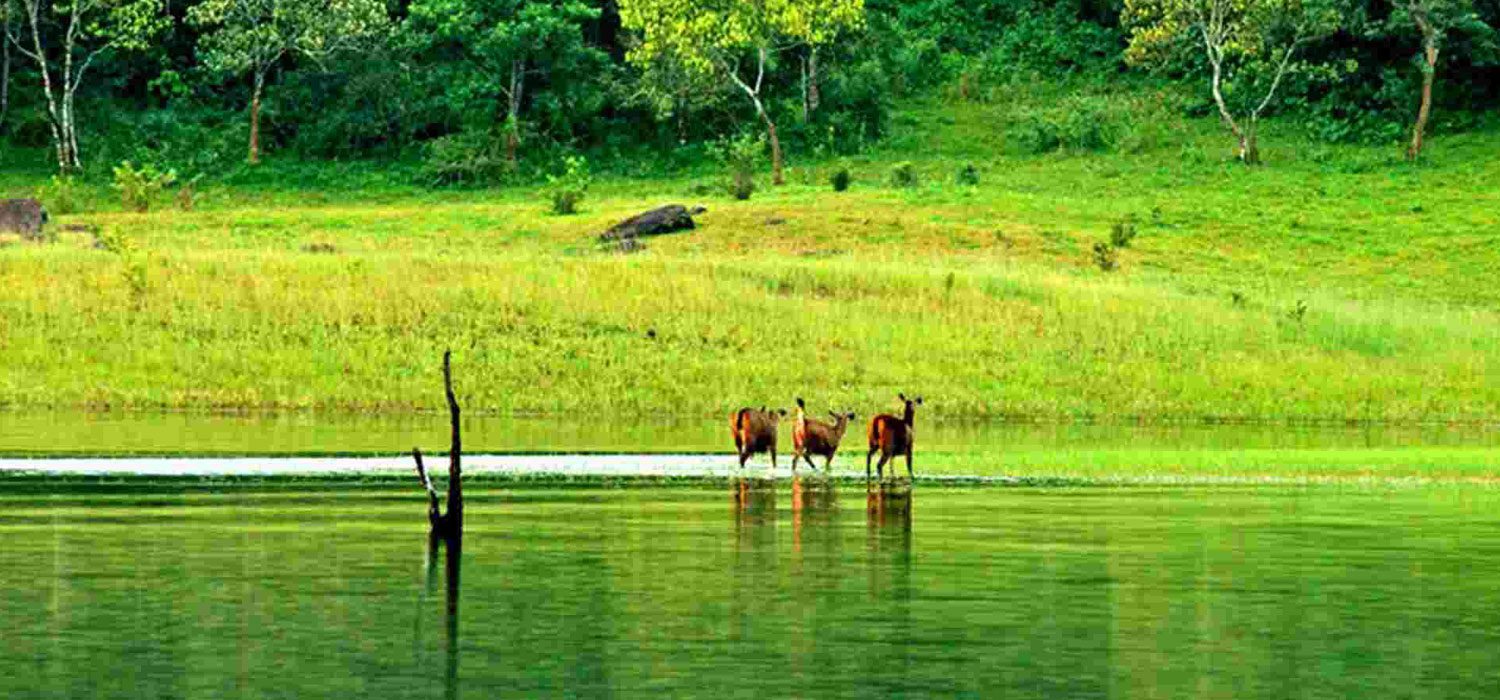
pixel 450 525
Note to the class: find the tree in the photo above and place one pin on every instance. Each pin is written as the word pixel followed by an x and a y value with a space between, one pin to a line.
pixel 733 40
pixel 1250 45
pixel 495 51
pixel 6 21
pixel 253 36
pixel 1433 19
pixel 88 29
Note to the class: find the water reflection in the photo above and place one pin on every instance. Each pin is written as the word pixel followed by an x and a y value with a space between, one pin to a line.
pixel 814 506
pixel 451 548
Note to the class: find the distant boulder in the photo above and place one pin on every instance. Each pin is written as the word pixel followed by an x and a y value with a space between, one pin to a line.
pixel 24 216
pixel 667 219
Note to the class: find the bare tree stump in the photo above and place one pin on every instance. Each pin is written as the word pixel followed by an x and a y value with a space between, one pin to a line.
pixel 450 525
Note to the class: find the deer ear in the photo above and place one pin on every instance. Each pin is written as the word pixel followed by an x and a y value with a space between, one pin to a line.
pixel 799 403
pixel 902 397
pixel 781 411
pixel 919 401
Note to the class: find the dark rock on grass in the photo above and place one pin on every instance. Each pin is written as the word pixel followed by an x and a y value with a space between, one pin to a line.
pixel 23 216
pixel 659 221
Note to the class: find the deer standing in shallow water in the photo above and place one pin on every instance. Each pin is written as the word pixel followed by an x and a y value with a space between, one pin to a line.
pixel 892 436
pixel 812 437
pixel 755 432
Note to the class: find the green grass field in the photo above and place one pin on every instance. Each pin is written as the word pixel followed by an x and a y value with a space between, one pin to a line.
pixel 983 298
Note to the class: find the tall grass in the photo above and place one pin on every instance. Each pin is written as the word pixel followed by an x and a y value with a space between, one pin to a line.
pixel 981 297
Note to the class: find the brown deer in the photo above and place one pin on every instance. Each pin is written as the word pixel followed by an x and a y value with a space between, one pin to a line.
pixel 892 436
pixel 755 432
pixel 812 437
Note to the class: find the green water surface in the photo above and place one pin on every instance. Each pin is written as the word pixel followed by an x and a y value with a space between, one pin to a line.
pixel 1129 592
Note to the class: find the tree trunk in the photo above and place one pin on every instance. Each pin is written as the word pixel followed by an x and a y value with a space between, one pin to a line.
pixel 813 95
pixel 777 177
pixel 450 526
pixel 1246 141
pixel 1430 53
pixel 1249 146
pixel 513 119
pixel 5 65
pixel 260 84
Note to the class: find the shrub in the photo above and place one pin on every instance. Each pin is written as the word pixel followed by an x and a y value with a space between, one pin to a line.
pixel 1080 124
pixel 139 187
pixel 840 179
pixel 904 174
pixel 113 240
pixel 567 190
pixel 968 175
pixel 740 155
pixel 465 158
pixel 59 195
pixel 1298 312
pixel 1106 257
pixel 187 194
pixel 1122 232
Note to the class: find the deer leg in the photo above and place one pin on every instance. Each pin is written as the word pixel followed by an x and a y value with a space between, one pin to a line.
pixel 743 456
pixel 773 460
pixel 868 455
pixel 827 464
pixel 880 467
pixel 909 475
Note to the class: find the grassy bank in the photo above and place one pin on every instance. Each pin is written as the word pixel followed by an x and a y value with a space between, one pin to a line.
pixel 984 298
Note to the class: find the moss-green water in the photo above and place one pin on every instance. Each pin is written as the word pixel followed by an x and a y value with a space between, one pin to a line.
pixel 1328 591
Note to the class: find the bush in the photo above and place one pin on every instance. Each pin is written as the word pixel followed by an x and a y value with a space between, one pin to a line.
pixel 60 195
pixel 740 155
pixel 567 190
pixel 840 179
pixel 1122 232
pixel 139 187
pixel 904 174
pixel 465 159
pixel 1106 256
pixel 1077 124
pixel 968 175
pixel 187 194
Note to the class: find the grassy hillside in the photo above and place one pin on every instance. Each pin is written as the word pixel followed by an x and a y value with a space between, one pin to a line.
pixel 984 298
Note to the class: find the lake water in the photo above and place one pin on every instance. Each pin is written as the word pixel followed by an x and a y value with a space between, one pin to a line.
pixel 714 591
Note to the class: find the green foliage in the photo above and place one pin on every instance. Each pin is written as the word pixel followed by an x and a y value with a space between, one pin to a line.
pixel 740 155
pixel 840 179
pixel 708 38
pixel 1106 256
pixel 467 158
pixel 1077 124
pixel 250 36
pixel 522 63
pixel 140 187
pixel 567 190
pixel 114 240
pixel 1122 232
pixel 60 194
pixel 187 194
pixel 904 174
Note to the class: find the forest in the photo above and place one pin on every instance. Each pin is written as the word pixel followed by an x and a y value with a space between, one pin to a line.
pixel 490 92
